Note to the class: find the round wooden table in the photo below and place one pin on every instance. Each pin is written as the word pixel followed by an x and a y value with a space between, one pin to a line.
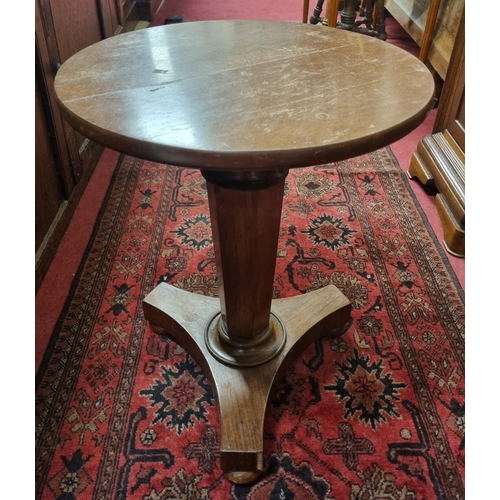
pixel 244 101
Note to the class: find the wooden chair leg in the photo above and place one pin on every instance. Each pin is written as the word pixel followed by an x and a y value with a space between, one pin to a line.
pixel 332 11
pixel 379 19
pixel 305 11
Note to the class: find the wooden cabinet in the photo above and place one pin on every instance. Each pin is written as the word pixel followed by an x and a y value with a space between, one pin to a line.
pixel 440 157
pixel 64 159
pixel 48 188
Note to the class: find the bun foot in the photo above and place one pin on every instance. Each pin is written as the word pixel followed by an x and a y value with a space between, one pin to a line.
pixel 242 477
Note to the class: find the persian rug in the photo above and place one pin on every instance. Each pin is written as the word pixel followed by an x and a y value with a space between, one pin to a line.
pixel 124 413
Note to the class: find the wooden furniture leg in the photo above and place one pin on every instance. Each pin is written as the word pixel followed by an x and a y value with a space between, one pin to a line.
pixel 245 341
pixel 430 25
pixel 348 14
pixel 305 11
pixel 379 23
pixel 373 18
pixel 316 15
pixel 332 12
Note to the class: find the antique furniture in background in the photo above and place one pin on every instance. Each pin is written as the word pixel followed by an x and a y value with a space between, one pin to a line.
pixel 371 23
pixel 430 25
pixel 439 40
pixel 440 157
pixel 179 95
pixel 64 159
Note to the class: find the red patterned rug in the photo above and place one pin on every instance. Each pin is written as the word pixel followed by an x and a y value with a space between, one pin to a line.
pixel 123 413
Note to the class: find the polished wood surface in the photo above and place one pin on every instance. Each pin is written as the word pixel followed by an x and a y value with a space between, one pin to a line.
pixel 247 223
pixel 244 94
pixel 244 101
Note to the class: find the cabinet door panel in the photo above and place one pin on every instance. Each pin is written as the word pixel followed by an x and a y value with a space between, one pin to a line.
pixel 48 193
pixel 76 25
pixel 64 159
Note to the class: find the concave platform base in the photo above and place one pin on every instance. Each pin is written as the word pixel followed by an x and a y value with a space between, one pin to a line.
pixel 243 393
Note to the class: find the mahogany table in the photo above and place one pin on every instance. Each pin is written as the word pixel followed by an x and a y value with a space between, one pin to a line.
pixel 244 101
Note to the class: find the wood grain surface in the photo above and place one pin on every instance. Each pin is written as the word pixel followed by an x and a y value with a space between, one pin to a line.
pixel 244 94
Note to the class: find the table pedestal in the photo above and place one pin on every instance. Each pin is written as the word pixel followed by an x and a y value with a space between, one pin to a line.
pixel 245 341
pixel 271 97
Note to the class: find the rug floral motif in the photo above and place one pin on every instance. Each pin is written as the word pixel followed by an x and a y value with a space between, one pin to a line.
pixel 124 413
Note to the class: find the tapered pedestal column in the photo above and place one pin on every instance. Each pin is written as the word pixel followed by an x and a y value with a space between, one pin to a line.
pixel 245 341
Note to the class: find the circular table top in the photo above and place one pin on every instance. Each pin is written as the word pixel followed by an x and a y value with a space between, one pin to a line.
pixel 244 95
